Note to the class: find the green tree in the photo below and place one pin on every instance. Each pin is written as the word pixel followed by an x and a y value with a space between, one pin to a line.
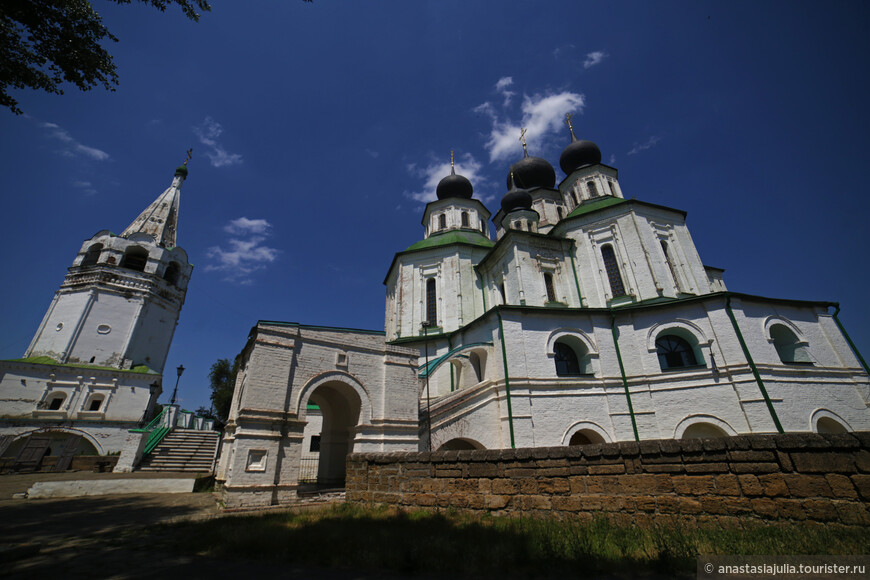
pixel 44 43
pixel 222 379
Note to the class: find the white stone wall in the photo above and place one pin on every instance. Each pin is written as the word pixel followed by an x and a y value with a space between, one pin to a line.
pixel 352 375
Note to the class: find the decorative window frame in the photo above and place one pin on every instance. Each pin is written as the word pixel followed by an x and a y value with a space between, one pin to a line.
pixel 687 330
pixel 575 334
pixel 771 321
pixel 690 420
pixel 585 425
pixel 826 414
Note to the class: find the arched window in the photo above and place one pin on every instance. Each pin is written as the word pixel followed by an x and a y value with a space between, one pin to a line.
pixel 788 346
pixel 828 425
pixel 548 284
pixel 92 255
pixel 585 437
pixel 567 361
pixel 431 302
pixel 56 402
pixel 135 259
pixel 612 188
pixel 574 197
pixel 703 431
pixel 464 216
pixel 559 212
pixel 670 265
pixel 96 403
pixel 518 225
pixel 675 352
pixel 476 366
pixel 171 274
pixel 612 268
pixel 590 187
pixel 442 222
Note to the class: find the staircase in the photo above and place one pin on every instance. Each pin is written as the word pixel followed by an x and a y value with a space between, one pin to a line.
pixel 183 450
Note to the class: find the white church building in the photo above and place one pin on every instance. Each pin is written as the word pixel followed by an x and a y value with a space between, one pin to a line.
pixel 589 318
pixel 94 367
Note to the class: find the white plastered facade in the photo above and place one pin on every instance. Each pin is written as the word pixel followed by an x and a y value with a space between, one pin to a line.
pixel 94 366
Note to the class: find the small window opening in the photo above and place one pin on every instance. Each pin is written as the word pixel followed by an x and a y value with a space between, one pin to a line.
pixel 464 218
pixel 55 403
pixel 788 346
pixel 559 212
pixel 442 222
pixel 675 352
pixel 92 255
pixel 135 259
pixel 574 197
pixel 548 284
pixel 612 188
pixel 593 191
pixel 171 274
pixel 502 292
pixel 567 364
pixel 617 288
pixel 431 302
pixel 96 403
pixel 314 447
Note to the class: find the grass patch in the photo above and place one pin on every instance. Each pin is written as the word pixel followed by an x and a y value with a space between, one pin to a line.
pixel 462 544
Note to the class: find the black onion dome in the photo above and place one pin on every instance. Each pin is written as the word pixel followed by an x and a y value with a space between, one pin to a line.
pixel 515 199
pixel 531 172
pixel 579 154
pixel 454 186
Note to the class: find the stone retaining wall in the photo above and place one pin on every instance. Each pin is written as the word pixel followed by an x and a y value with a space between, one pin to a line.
pixel 791 477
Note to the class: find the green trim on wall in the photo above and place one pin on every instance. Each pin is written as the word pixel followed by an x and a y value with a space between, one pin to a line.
pixel 752 366
pixel 615 334
pixel 849 340
pixel 507 384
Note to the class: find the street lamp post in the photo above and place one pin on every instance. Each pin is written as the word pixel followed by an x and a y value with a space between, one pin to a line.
pixel 180 370
pixel 426 324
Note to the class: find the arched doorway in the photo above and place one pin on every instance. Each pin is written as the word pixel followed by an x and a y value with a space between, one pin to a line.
pixel 703 431
pixel 340 408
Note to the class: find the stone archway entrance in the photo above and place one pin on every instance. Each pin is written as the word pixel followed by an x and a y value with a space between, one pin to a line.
pixel 340 406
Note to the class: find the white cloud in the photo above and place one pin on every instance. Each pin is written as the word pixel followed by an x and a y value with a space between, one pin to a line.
pixel 245 253
pixel 651 142
pixel 373 154
pixel 243 225
pixel 542 115
pixel 594 58
pixel 466 166
pixel 208 133
pixel 73 148
pixel 86 186
pixel 612 160
pixel 501 87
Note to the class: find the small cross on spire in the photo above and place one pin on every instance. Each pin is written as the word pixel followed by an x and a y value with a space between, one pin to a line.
pixel 570 127
pixel 452 167
pixel 189 155
pixel 523 139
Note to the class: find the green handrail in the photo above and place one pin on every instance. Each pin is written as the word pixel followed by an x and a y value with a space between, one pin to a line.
pixel 157 429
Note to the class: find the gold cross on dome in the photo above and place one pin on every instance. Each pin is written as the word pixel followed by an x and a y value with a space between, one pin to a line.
pixel 189 155
pixel 570 127
pixel 523 139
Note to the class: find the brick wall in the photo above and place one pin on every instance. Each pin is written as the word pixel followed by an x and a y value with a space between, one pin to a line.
pixel 798 477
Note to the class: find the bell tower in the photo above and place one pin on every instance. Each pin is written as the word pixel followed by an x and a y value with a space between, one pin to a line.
pixel 120 300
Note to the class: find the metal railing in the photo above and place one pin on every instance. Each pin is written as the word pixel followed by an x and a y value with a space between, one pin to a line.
pixel 157 429
pixel 308 469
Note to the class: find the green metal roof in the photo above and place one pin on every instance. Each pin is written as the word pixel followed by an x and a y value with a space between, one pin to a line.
pixel 596 204
pixel 452 237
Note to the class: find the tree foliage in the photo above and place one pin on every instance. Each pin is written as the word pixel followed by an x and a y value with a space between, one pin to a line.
pixel 222 381
pixel 44 43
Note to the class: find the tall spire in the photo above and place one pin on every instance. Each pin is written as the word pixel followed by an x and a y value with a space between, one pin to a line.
pixel 160 219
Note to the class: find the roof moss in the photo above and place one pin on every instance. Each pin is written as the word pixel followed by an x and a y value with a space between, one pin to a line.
pixel 47 360
pixel 452 237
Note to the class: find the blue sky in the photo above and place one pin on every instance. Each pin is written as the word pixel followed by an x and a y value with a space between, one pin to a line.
pixel 320 129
